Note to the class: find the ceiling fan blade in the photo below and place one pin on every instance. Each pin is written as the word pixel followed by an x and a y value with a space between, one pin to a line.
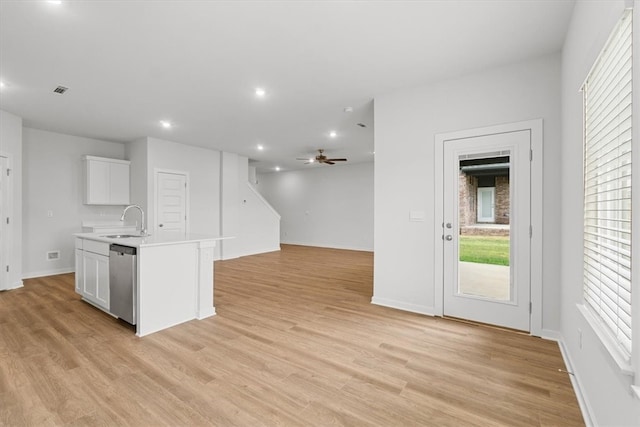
pixel 329 162
pixel 336 160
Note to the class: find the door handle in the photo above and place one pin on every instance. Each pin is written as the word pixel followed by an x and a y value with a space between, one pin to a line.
pixel 448 237
pixel 161 225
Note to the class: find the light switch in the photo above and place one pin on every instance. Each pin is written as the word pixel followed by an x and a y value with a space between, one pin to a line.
pixel 49 214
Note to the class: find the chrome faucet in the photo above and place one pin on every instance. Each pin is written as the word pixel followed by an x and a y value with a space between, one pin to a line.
pixel 143 228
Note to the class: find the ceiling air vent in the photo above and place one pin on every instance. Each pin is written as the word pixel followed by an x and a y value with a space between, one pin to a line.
pixel 61 89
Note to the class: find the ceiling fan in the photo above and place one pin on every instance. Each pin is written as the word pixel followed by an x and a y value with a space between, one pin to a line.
pixel 321 158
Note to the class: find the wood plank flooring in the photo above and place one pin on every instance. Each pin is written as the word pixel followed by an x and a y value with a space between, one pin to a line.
pixel 296 342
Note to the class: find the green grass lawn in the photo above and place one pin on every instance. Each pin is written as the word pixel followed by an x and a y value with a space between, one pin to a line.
pixel 485 249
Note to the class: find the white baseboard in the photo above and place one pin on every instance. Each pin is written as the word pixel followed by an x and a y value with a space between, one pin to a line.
pixel 551 335
pixel 347 248
pixel 261 251
pixel 399 305
pixel 53 272
pixel 14 285
pixel 210 311
pixel 252 252
pixel 585 408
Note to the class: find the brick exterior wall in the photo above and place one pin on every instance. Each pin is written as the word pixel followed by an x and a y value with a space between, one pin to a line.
pixel 468 193
pixel 479 231
pixel 502 200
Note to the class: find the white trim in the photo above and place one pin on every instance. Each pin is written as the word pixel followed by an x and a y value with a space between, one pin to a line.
pixel 261 251
pixel 187 190
pixel 624 365
pixel 15 285
pixel 7 240
pixel 550 335
pixel 401 305
pixel 106 159
pixel 585 407
pixel 52 272
pixel 316 245
pixel 263 200
pixel 537 208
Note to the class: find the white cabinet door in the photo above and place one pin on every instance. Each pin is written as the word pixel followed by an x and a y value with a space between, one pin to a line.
pixel 90 269
pixel 96 278
pixel 98 182
pixel 107 181
pixel 119 184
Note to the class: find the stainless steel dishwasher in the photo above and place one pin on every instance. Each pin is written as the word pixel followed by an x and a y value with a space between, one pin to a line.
pixel 123 273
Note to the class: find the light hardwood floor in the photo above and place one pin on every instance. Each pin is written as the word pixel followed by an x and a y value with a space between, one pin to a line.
pixel 296 342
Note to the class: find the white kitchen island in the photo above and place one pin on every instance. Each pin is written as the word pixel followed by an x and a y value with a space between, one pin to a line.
pixel 174 276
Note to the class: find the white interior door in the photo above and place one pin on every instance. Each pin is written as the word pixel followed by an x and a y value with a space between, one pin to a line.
pixel 487 267
pixel 4 227
pixel 171 202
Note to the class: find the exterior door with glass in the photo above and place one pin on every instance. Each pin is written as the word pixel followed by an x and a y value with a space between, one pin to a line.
pixel 486 234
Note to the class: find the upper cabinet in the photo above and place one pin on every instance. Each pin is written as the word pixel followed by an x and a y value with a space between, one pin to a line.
pixel 107 181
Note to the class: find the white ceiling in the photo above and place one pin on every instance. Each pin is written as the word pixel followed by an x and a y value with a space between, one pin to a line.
pixel 130 64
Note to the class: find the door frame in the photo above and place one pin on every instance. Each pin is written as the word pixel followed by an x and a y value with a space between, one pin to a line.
pixel 536 129
pixel 6 211
pixel 157 171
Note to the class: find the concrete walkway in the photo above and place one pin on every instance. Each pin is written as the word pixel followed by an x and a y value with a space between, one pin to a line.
pixel 487 280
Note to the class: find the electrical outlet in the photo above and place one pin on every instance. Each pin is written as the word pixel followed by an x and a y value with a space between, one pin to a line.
pixel 580 339
pixel 49 214
pixel 53 255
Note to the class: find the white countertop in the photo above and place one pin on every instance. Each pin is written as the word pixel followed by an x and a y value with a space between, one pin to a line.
pixel 151 240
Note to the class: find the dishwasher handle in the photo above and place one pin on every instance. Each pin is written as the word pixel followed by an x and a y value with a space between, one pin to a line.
pixel 124 250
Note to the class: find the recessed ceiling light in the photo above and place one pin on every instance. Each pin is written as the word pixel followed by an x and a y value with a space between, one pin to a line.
pixel 333 134
pixel 348 109
pixel 311 160
pixel 260 147
pixel 165 124
pixel 2 84
pixel 260 93
pixel 54 1
pixel 277 168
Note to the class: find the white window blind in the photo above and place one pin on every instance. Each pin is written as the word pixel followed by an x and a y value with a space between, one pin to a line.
pixel 607 186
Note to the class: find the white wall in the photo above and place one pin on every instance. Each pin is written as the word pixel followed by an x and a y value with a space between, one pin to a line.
pixel 328 206
pixel 245 214
pixel 230 205
pixel 259 229
pixel 406 123
pixel 604 389
pixel 53 181
pixel 11 146
pixel 203 168
pixel 136 153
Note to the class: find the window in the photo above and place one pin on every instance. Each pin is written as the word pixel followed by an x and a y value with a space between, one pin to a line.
pixel 607 187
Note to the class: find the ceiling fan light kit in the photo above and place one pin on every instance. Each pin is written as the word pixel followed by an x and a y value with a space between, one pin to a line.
pixel 321 158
